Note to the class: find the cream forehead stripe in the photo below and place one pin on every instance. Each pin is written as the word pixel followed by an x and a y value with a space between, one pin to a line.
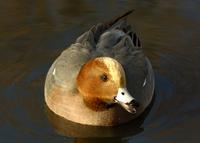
pixel 114 67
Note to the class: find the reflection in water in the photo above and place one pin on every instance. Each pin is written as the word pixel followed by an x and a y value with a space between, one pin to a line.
pixel 33 34
pixel 100 140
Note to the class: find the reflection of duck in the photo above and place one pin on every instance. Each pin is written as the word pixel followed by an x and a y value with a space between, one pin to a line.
pixel 105 66
pixel 100 140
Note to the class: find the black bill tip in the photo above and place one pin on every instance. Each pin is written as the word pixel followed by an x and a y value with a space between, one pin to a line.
pixel 132 106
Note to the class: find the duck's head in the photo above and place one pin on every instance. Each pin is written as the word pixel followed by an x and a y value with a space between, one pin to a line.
pixel 102 82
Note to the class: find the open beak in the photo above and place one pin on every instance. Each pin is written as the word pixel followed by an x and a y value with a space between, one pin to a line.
pixel 126 100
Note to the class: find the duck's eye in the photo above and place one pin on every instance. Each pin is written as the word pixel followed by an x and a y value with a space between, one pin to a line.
pixel 104 77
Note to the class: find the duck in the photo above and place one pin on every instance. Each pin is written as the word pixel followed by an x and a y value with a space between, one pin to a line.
pixel 103 78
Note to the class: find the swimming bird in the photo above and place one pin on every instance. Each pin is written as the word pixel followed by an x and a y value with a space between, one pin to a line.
pixel 103 78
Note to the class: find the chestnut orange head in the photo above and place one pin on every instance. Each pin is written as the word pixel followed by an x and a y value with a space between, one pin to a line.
pixel 101 82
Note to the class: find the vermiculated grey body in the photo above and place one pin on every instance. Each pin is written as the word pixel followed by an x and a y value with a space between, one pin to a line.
pixel 117 41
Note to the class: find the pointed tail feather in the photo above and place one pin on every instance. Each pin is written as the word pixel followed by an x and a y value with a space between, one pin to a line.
pixel 112 22
pixel 102 27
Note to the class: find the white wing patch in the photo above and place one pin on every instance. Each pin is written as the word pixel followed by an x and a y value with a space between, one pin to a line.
pixel 54 71
pixel 144 83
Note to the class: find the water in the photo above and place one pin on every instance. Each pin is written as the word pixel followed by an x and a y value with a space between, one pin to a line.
pixel 34 33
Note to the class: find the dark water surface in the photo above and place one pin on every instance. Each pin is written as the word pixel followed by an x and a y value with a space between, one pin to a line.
pixel 34 33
